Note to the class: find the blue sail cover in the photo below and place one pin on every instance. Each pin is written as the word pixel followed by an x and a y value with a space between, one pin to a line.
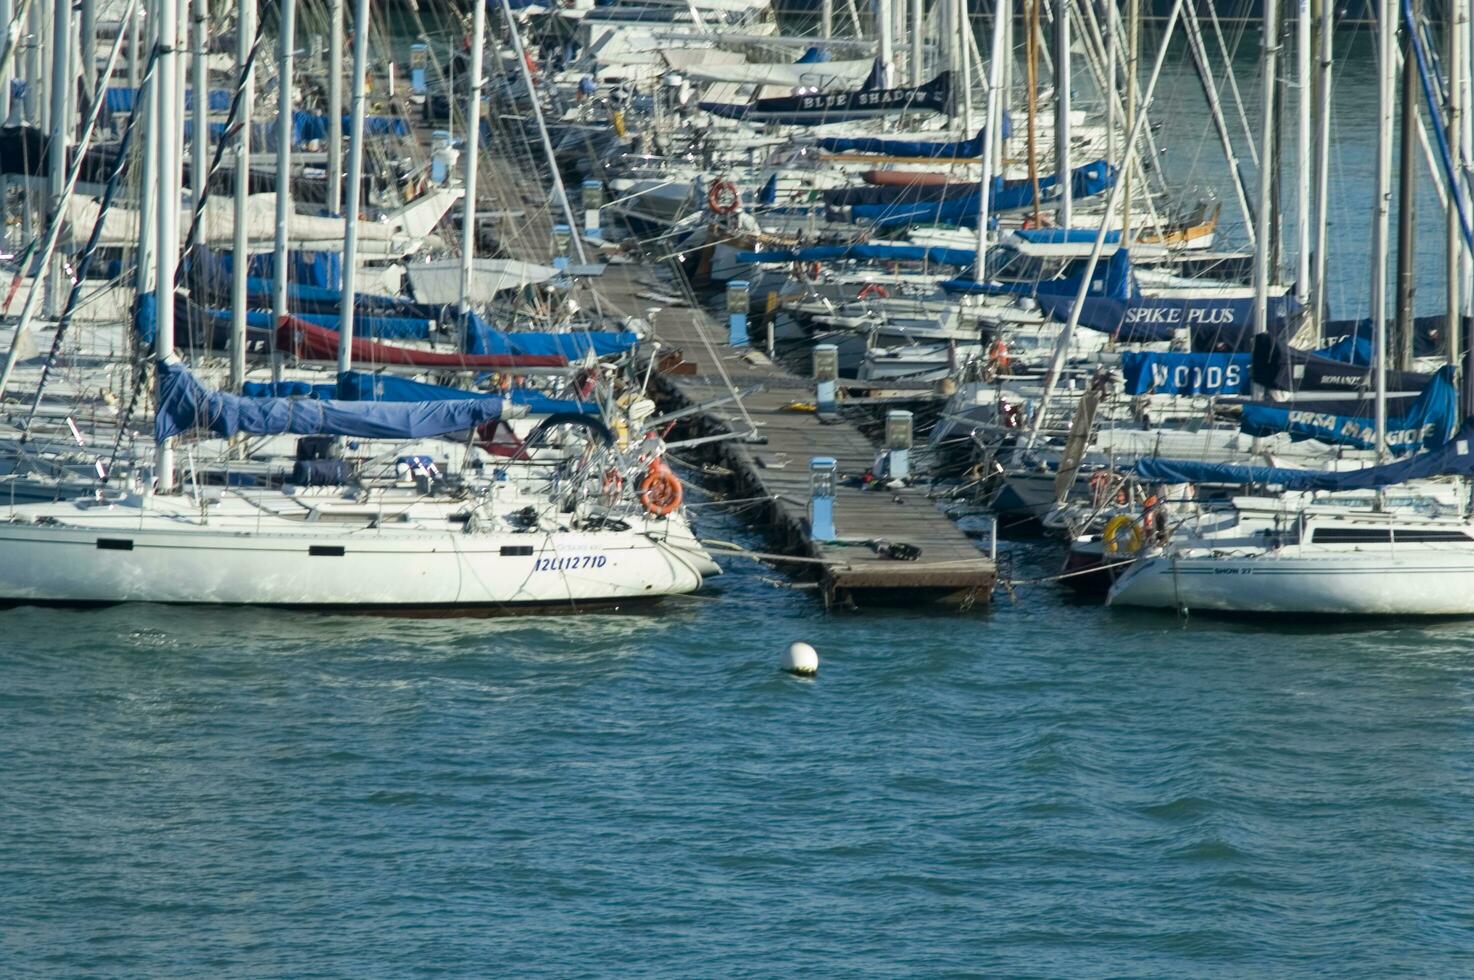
pixel 482 338
pixel 357 386
pixel 1186 374
pixel 1216 323
pixel 956 150
pixel 307 126
pixel 1354 350
pixel 935 254
pixel 1426 425
pixel 185 406
pixel 1455 457
pixel 962 211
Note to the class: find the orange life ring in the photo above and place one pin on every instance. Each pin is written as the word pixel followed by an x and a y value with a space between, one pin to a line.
pixel 660 491
pixel 998 354
pixel 723 197
pixel 874 289
pixel 611 485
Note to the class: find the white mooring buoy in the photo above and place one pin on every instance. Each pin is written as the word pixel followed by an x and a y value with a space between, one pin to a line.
pixel 801 659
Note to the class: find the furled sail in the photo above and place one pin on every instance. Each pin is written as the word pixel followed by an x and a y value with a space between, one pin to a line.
pixel 185 406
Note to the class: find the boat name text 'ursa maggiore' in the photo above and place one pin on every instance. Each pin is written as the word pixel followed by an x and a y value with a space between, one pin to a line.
pixel 1359 430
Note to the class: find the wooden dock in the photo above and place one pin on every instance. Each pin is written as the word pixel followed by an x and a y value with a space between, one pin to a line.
pixel 773 464
pixel 770 459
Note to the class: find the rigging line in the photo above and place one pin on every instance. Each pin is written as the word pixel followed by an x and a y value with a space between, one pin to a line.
pixel 1233 82
pixel 1436 120
pixel 232 125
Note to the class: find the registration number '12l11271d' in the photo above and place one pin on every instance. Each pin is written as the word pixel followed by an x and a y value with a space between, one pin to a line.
pixel 568 563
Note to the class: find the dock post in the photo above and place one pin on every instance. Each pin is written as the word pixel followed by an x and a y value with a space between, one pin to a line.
pixel 821 498
pixel 439 156
pixel 593 204
pixel 826 377
pixel 419 56
pixel 898 434
pixel 562 237
pixel 737 300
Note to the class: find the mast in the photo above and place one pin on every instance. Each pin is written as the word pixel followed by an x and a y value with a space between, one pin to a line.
pixel 918 24
pixel 87 50
pixel 1327 33
pixel 1386 65
pixel 199 84
pixel 335 108
pixel 240 266
pixel 1454 29
pixel 355 186
pixel 163 131
pixel 1133 56
pixel 1031 83
pixel 826 19
pixel 1267 128
pixel 1302 151
pixel 1062 168
pixel 991 131
pixel 884 31
pixel 473 150
pixel 1406 202
pixel 1111 57
pixel 148 189
pixel 7 14
pixel 286 45
pixel 135 44
pixel 60 140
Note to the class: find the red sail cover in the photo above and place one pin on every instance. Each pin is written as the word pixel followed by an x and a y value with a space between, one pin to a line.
pixel 909 178
pixel 313 343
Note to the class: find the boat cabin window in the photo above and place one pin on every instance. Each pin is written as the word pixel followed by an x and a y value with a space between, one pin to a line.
pixel 1351 535
pixel 1406 535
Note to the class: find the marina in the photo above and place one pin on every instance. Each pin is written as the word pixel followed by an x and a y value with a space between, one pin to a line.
pixel 587 488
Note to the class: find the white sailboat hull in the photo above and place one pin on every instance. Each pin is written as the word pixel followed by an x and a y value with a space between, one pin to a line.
pixel 1418 583
pixel 348 569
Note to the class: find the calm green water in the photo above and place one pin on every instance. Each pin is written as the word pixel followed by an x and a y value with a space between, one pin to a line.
pixel 1044 789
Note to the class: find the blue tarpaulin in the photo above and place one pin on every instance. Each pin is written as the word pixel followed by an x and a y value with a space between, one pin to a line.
pixel 307 126
pixel 954 150
pixel 1185 374
pixel 186 406
pixel 1426 425
pixel 1454 458
pixel 482 338
pixel 123 99
pixel 1086 181
pixel 356 386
